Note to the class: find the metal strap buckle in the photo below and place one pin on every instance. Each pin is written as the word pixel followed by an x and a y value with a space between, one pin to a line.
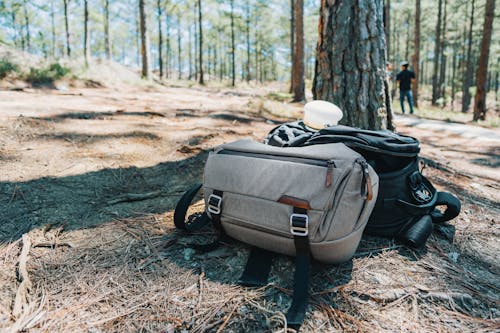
pixel 299 224
pixel 214 204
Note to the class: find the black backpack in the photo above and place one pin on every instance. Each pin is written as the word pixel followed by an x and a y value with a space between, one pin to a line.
pixel 406 207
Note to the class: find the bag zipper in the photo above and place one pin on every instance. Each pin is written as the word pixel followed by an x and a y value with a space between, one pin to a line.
pixel 329 164
pixel 366 182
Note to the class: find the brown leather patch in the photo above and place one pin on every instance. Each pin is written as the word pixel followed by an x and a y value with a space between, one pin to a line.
pixel 295 202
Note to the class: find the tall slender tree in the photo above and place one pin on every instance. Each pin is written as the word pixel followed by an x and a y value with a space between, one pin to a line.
pixel 416 54
pixel 144 40
pixel 66 24
pixel 159 17
pixel 53 28
pixel 442 70
pixel 355 34
pixel 467 81
pixel 233 47
pixel 107 37
pixel 437 52
pixel 247 35
pixel 387 26
pixel 481 73
pixel 179 46
pixel 292 40
pixel 298 54
pixel 200 55
pixel 86 34
pixel 27 25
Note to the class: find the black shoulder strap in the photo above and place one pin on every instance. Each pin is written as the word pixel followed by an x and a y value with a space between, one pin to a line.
pixel 181 210
pixel 297 311
pixel 201 220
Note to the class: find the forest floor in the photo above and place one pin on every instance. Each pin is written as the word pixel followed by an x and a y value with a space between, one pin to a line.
pixel 89 179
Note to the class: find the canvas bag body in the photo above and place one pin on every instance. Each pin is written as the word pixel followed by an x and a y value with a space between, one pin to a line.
pixel 256 180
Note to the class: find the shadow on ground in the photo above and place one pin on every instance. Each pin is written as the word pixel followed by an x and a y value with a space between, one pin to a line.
pixel 86 200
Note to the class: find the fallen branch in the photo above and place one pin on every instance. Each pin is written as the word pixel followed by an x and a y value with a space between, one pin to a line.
pixel 130 197
pixel 21 301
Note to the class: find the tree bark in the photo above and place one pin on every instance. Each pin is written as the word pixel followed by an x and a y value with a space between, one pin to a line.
pixel 442 71
pixel 298 59
pixel 437 52
pixel 350 63
pixel 168 47
pixel 233 65
pixel 66 24
pixel 86 34
pixel 387 26
pixel 144 40
pixel 201 81
pixel 53 28
pixel 416 54
pixel 453 76
pixel 480 99
pixel 27 25
pixel 247 31
pixel 468 69
pixel 160 36
pixel 292 41
pixel 107 37
pixel 179 46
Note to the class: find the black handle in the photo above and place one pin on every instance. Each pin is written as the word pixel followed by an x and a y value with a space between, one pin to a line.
pixel 452 207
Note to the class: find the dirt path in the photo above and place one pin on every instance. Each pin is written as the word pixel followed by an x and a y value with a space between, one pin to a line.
pixel 97 261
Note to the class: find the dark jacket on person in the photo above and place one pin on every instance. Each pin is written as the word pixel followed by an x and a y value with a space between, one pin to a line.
pixel 404 77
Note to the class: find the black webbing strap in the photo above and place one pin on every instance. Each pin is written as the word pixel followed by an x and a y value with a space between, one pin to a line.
pixel 297 311
pixel 257 269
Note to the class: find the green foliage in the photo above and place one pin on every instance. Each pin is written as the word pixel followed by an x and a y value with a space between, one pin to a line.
pixel 7 67
pixel 47 75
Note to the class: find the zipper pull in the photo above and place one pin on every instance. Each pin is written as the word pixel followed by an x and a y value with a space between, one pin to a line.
pixel 329 173
pixel 366 184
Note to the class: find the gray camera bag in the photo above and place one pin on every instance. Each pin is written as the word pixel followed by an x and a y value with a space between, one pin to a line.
pixel 305 202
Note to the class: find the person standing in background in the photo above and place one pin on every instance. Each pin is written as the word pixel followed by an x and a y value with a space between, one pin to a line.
pixel 405 79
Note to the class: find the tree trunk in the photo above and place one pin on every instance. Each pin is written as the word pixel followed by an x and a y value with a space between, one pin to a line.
pixel 408 37
pixel 144 40
pixel 437 52
pixel 66 24
pixel 233 69
pixel 190 57
pixel 179 47
pixel 107 37
pixel 201 81
pixel 442 72
pixel 27 25
pixel 86 34
pixel 387 26
pixel 480 100
pixel 468 69
pixel 453 71
pixel 292 41
pixel 355 34
pixel 160 36
pixel 168 47
pixel 195 43
pixel 247 31
pixel 298 52
pixel 416 54
pixel 53 28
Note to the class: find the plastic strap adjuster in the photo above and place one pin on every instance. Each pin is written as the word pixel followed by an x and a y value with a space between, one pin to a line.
pixel 214 204
pixel 299 224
